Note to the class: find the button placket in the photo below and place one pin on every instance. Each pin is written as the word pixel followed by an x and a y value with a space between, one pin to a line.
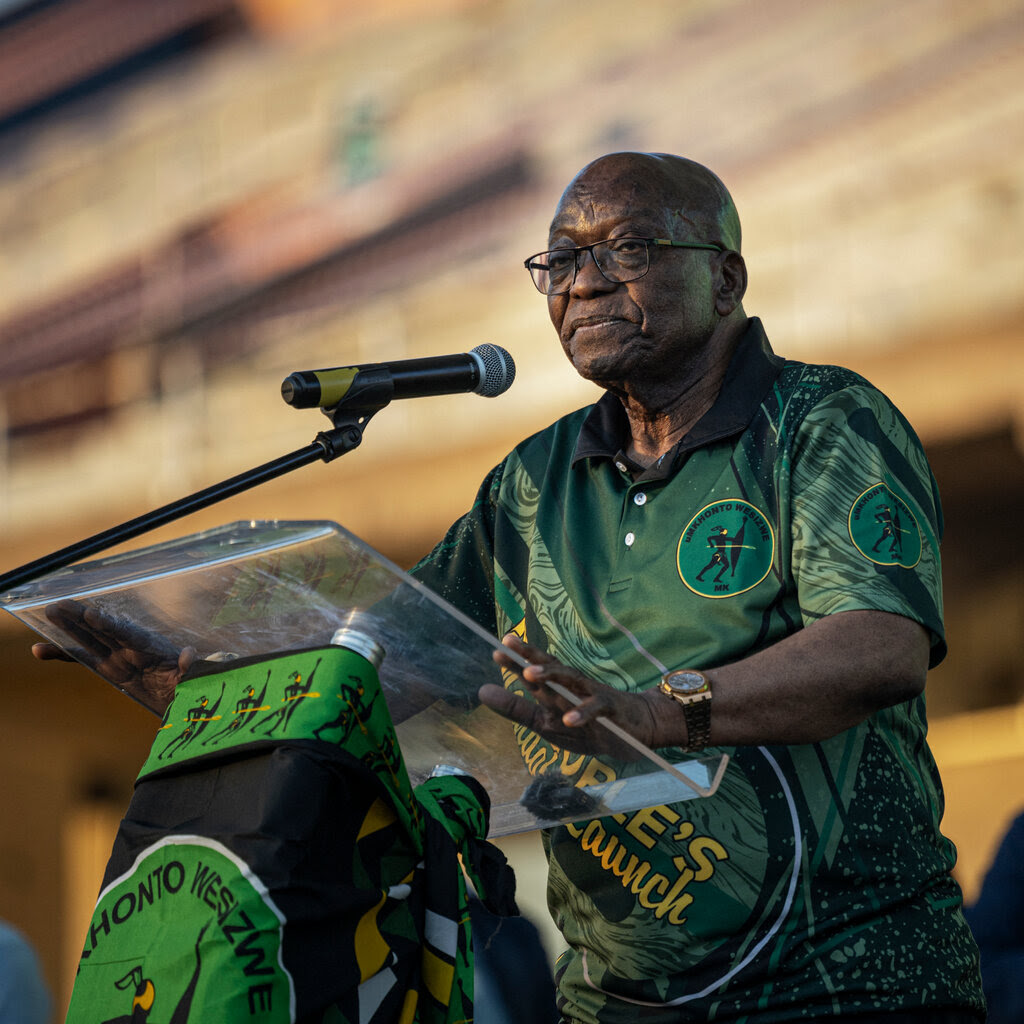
pixel 639 501
pixel 631 527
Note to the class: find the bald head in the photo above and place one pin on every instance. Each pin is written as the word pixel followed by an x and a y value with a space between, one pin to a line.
pixel 690 197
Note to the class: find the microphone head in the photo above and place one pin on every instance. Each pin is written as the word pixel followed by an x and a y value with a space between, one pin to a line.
pixel 497 371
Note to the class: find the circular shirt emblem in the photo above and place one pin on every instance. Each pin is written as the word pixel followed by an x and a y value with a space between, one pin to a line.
pixel 883 528
pixel 725 549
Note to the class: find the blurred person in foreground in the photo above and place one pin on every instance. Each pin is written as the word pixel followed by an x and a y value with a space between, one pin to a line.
pixel 512 977
pixel 736 551
pixel 729 552
pixel 997 920
pixel 24 997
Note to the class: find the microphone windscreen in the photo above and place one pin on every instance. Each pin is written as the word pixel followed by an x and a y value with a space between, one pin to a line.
pixel 498 370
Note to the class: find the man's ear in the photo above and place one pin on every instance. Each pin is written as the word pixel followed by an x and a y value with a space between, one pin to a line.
pixel 732 283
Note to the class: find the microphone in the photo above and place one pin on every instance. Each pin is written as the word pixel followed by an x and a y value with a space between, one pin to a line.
pixel 487 370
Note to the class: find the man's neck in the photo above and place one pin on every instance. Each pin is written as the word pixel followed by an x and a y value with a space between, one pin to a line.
pixel 657 424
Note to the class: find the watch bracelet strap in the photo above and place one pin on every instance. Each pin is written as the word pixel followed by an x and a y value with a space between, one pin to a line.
pixel 698 725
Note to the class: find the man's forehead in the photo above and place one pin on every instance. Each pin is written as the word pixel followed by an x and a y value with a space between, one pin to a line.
pixel 601 214
pixel 575 209
pixel 626 188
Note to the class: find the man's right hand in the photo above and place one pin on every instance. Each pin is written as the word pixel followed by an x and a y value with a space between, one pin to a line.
pixel 143 664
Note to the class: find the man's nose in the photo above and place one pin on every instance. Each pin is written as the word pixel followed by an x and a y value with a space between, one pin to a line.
pixel 588 279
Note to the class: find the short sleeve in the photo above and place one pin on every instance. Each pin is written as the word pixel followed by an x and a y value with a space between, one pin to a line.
pixel 866 518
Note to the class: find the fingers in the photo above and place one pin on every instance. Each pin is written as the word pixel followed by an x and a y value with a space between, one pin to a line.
pixel 507 703
pixel 579 697
pixel 546 721
pixel 564 705
pixel 526 662
pixel 100 635
pixel 563 691
pixel 117 633
pixel 519 654
pixel 185 659
pixel 69 618
pixel 50 652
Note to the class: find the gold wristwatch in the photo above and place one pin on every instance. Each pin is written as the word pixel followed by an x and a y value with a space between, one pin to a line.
pixel 692 691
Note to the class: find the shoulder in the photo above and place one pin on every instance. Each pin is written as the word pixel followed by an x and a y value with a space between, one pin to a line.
pixel 556 442
pixel 565 429
pixel 532 458
pixel 813 394
pixel 819 381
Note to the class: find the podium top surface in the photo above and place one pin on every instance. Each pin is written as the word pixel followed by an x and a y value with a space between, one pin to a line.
pixel 199 552
pixel 255 589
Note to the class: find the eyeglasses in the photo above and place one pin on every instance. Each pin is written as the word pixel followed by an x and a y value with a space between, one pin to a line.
pixel 618 259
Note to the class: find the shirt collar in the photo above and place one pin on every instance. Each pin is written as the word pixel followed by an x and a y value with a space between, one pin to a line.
pixel 751 372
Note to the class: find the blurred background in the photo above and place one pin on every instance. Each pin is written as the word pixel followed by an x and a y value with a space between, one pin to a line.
pixel 198 197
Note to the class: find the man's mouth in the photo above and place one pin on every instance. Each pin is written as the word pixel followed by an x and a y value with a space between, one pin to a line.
pixel 596 322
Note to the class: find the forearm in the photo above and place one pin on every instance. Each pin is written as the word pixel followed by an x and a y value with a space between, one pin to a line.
pixel 811 685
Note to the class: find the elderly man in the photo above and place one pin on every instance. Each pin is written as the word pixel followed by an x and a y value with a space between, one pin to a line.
pixel 815 884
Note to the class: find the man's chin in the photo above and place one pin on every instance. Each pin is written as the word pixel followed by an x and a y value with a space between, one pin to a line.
pixel 606 369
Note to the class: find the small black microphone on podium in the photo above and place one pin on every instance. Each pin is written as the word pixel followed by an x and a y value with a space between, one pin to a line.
pixel 487 370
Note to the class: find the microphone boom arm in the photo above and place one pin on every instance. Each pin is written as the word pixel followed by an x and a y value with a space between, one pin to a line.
pixel 364 391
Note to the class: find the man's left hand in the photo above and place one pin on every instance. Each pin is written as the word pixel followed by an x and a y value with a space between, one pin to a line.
pixel 570 726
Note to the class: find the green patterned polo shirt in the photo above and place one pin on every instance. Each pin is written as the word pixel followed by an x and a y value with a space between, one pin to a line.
pixel 815 882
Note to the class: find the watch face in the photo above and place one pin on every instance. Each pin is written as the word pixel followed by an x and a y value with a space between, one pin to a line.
pixel 686 682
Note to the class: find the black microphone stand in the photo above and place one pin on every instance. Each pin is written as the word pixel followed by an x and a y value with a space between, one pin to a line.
pixel 349 418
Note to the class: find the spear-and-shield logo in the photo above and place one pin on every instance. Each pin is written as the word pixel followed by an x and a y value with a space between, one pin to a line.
pixel 884 529
pixel 725 549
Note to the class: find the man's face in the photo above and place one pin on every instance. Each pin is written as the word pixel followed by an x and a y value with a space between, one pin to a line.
pixel 656 328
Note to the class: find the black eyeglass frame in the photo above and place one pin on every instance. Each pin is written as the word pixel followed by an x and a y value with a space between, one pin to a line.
pixel 577 249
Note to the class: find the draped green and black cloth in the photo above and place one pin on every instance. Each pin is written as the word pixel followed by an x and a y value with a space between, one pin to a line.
pixel 276 864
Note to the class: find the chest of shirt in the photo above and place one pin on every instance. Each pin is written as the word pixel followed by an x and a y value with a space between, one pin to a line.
pixel 697 555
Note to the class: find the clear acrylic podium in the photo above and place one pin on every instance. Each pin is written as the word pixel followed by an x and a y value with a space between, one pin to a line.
pixel 258 588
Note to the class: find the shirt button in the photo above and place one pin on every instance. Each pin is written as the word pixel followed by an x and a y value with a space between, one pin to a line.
pixel 620 466
pixel 640 498
pixel 630 537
